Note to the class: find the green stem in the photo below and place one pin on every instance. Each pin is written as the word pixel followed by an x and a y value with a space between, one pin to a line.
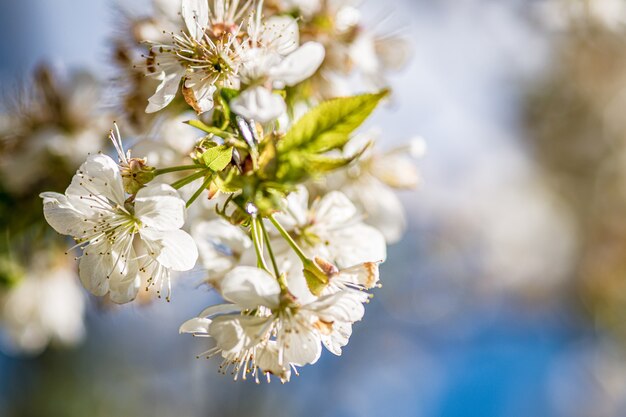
pixel 266 236
pixel 290 241
pixel 209 129
pixel 191 178
pixel 199 191
pixel 257 245
pixel 162 171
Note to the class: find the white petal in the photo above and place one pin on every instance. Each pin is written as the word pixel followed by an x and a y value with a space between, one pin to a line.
pixel 296 212
pixel 281 34
pixel 338 338
pixel 357 244
pixel 220 245
pixel 396 170
pixel 299 65
pixel 174 249
pixel 250 288
pixel 203 90
pixel 165 92
pixel 381 206
pixel 365 275
pixel 334 210
pixel 301 345
pixel 159 206
pixel 195 325
pixel 234 333
pixel 61 214
pixel 124 289
pixel 259 104
pixel 99 175
pixel 94 268
pixel 346 306
pixel 267 360
pixel 196 16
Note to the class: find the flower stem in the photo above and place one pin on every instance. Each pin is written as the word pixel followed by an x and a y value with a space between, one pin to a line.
pixel 289 240
pixel 189 179
pixel 162 171
pixel 256 239
pixel 199 191
pixel 266 236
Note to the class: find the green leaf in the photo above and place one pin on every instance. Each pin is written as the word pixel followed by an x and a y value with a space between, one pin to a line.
pixel 228 94
pixel 329 125
pixel 229 182
pixel 218 157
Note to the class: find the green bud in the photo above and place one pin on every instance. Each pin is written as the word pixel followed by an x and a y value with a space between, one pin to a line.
pixel 136 175
pixel 317 274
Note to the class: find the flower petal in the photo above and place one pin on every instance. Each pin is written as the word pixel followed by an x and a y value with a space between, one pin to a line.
pixel 124 289
pixel 301 345
pixel 220 244
pixel 250 288
pixel 366 275
pixel 281 34
pixel 300 64
pixel 165 92
pixel 195 325
pixel 174 249
pixel 61 214
pixel 196 16
pixel 346 306
pixel 356 244
pixel 98 176
pixel 199 92
pixel 96 265
pixel 160 207
pixel 234 333
pixel 381 206
pixel 335 210
pixel 296 212
pixel 338 338
pixel 258 104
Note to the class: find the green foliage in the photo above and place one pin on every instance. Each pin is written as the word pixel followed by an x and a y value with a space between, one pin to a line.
pixel 264 172
pixel 303 152
pixel 329 125
pixel 217 157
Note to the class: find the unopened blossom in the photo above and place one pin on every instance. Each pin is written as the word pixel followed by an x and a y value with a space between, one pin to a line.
pixel 46 306
pixel 272 58
pixel 265 331
pixel 121 239
pixel 202 56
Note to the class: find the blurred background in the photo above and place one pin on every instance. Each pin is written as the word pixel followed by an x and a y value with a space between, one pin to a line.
pixel 507 296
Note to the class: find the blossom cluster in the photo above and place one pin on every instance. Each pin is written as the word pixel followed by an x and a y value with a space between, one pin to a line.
pixel 246 166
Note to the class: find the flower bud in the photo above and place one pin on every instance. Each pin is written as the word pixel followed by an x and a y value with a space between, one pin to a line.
pixel 136 174
pixel 317 274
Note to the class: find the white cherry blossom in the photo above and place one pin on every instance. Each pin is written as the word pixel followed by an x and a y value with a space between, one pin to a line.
pixel 264 330
pixel 120 238
pixel 202 56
